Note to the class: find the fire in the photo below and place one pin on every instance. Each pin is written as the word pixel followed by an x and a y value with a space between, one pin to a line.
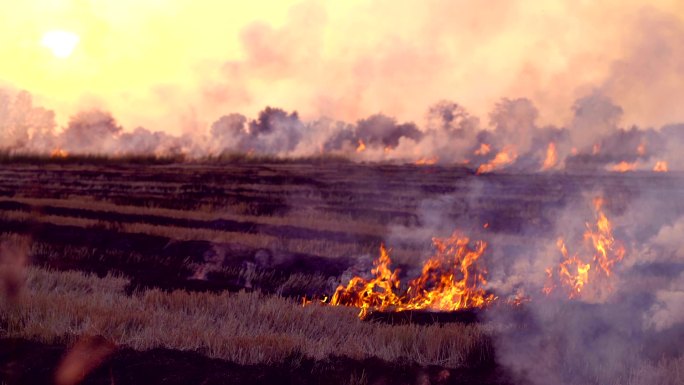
pixel 427 161
pixel 551 157
pixel 572 272
pixel 503 158
pixel 58 153
pixel 576 272
pixel 361 147
pixel 623 167
pixel 376 293
pixel 388 149
pixel 483 150
pixel 450 280
pixel 596 149
pixel 660 166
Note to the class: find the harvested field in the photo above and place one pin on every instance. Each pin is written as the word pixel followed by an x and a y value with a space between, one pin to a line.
pixel 200 270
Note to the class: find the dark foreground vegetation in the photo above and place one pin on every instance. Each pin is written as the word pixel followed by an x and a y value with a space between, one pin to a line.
pixel 34 363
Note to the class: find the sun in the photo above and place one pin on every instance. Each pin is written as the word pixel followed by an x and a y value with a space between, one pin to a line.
pixel 61 43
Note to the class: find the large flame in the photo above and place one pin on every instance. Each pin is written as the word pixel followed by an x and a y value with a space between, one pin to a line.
pixel 551 159
pixel 376 293
pixel 361 147
pixel 450 280
pixel 592 268
pixel 503 158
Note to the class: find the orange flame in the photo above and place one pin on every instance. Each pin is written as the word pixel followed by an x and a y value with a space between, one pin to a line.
pixel 660 166
pixel 376 293
pixel 427 161
pixel 361 147
pixel 58 153
pixel 551 157
pixel 450 280
pixel 574 273
pixel 596 149
pixel 484 149
pixel 505 157
pixel 623 167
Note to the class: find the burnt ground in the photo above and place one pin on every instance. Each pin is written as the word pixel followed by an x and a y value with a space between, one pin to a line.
pixel 386 195
pixel 389 195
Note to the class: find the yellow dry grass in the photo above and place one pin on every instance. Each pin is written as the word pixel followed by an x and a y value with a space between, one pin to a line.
pixel 246 328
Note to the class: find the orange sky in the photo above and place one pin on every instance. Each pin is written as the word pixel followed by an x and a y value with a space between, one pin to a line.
pixel 177 65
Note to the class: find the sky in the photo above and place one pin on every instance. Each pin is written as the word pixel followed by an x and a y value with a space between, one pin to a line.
pixel 177 65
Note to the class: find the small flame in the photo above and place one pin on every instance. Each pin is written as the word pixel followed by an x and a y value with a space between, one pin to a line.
pixel 58 153
pixel 388 149
pixel 427 161
pixel 596 149
pixel 575 272
pixel 623 167
pixel 361 147
pixel 483 150
pixel 660 166
pixel 450 280
pixel 503 158
pixel 551 157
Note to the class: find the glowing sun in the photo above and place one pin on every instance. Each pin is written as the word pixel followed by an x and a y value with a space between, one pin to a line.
pixel 61 43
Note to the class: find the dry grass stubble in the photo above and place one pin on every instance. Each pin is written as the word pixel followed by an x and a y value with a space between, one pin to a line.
pixel 247 328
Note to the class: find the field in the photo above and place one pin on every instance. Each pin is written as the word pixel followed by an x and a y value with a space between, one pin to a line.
pixel 197 272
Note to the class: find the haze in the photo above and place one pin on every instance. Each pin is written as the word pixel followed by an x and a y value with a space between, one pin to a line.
pixel 177 65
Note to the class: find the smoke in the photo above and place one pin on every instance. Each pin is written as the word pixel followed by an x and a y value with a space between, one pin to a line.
pixel 90 131
pixel 273 132
pixel 142 141
pixel 23 125
pixel 625 327
pixel 618 327
pixel 594 114
pixel 381 130
pixel 179 67
pixel 667 310
pixel 512 141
